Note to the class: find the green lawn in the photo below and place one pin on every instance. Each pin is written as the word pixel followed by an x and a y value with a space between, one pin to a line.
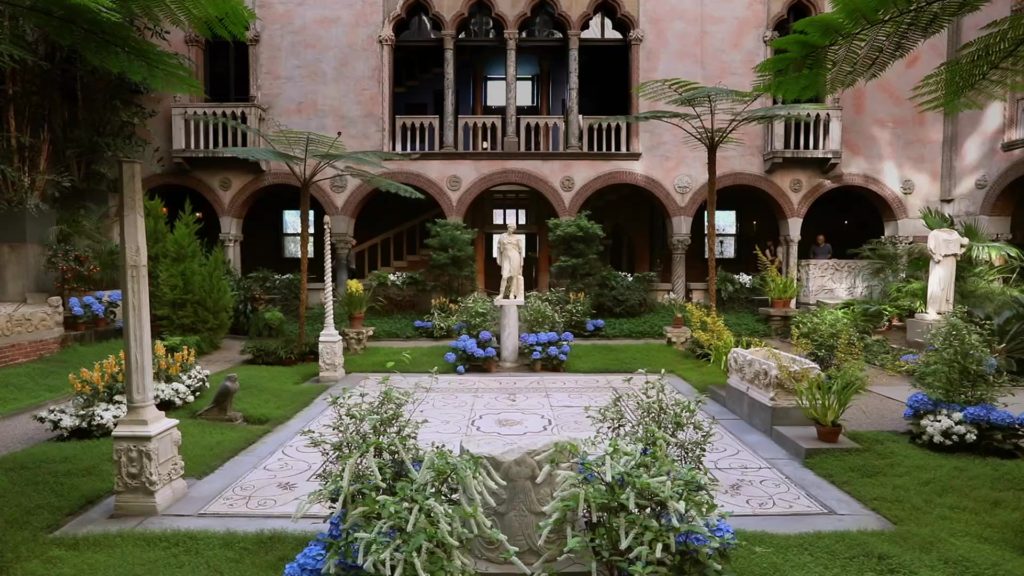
pixel 586 358
pixel 32 383
pixel 44 485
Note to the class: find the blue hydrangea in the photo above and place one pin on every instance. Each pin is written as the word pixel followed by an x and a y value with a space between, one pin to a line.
pixel 309 562
pixel 552 337
pixel 565 349
pixel 478 353
pixel 524 338
pixel 450 358
pixel 979 414
pixel 76 310
pixel 73 302
pixel 590 326
pixel 909 413
pixel 114 295
pixel 949 406
pixel 417 324
pixel 562 357
pixel 552 351
pixel 459 326
pixel 920 403
pixel 485 336
pixel 542 337
pixel 490 352
pixel 567 336
pixel 533 340
pixel 1002 419
pixel 693 539
pixel 458 345
pixel 991 365
pixel 88 300
pixel 460 369
pixel 599 324
pixel 910 358
pixel 535 355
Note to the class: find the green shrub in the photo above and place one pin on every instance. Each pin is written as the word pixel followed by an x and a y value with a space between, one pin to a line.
pixel 262 289
pixel 398 292
pixel 622 295
pixel 190 287
pixel 827 336
pixel 649 325
pixel 746 324
pixel 959 366
pixel 576 251
pixel 268 322
pixel 477 312
pixel 452 266
pixel 712 340
pixel 556 310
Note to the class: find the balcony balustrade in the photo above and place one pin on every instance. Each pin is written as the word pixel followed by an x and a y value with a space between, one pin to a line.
pixel 417 134
pixel 541 134
pixel 199 130
pixel 814 134
pixel 601 135
pixel 480 133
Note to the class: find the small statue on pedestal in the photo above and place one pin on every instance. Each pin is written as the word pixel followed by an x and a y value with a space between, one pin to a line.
pixel 511 249
pixel 945 247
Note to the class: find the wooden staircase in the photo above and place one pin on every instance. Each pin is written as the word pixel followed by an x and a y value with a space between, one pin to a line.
pixel 400 249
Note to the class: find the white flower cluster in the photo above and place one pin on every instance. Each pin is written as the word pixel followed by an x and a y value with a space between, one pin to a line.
pixel 945 428
pixel 80 419
pixel 76 419
pixel 746 280
pixel 177 394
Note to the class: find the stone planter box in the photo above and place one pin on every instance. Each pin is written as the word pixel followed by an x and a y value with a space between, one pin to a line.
pixel 755 392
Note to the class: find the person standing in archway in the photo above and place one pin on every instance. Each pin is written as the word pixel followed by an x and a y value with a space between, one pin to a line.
pixel 771 252
pixel 821 250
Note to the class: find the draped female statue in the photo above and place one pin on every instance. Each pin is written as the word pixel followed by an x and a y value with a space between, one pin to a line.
pixel 510 258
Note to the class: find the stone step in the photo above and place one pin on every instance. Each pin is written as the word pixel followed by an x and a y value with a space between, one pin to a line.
pixel 802 441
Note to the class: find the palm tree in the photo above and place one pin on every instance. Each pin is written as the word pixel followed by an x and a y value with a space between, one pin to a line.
pixel 314 158
pixel 860 39
pixel 710 117
pixel 121 36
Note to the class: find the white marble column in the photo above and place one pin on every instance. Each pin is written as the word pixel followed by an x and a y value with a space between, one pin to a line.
pixel 636 38
pixel 572 124
pixel 343 244
pixel 148 469
pixel 332 353
pixel 448 134
pixel 792 245
pixel 509 333
pixel 511 143
pixel 387 62
pixel 253 40
pixel 233 250
pixel 680 245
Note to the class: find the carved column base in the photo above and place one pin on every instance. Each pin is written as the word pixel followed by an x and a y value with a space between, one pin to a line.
pixel 149 470
pixel 356 339
pixel 677 337
pixel 332 356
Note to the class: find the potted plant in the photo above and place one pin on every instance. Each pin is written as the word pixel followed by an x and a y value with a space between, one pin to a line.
pixel 467 352
pixel 547 349
pixel 678 304
pixel 356 300
pixel 77 314
pixel 778 287
pixel 825 397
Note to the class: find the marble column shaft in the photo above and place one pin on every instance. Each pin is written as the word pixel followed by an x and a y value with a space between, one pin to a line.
pixel 636 38
pixel 233 250
pixel 448 134
pixel 792 244
pixel 572 137
pixel 680 245
pixel 387 43
pixel 511 143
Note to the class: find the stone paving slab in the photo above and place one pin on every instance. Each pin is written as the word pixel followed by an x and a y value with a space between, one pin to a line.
pixel 760 484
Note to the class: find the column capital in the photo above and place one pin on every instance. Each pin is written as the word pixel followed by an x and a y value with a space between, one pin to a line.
pixel 448 37
pixel 681 243
pixel 637 36
pixel 230 238
pixel 386 37
pixel 574 39
pixel 253 37
pixel 791 239
pixel 343 241
pixel 511 39
pixel 192 39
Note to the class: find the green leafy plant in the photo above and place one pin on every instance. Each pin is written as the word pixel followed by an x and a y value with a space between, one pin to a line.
pixel 712 339
pixel 827 336
pixel 556 310
pixel 452 265
pixel 776 285
pixel 576 251
pixel 398 292
pixel 620 294
pixel 476 313
pixel 959 365
pixel 825 397
pixel 356 298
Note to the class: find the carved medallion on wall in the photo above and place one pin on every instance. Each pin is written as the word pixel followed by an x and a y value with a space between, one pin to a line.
pixel 982 182
pixel 796 185
pixel 339 183
pixel 454 182
pixel 907 187
pixel 683 184
pixel 224 183
pixel 567 184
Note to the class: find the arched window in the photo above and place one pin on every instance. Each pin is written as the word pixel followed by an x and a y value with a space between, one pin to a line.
pixel 481 24
pixel 418 26
pixel 543 24
pixel 797 11
pixel 604 26
pixel 226 71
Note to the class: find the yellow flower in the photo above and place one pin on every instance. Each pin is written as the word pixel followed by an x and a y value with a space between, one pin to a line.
pixel 354 287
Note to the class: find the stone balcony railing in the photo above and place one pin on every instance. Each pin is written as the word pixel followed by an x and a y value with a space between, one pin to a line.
pixel 535 134
pixel 204 130
pixel 813 135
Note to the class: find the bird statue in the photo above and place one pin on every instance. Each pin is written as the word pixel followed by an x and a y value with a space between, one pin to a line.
pixel 220 408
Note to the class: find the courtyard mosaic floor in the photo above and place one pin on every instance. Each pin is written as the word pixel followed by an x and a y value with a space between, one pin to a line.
pixel 761 485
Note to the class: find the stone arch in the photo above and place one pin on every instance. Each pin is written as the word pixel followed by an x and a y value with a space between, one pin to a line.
pixel 463 12
pixel 998 201
pixel 514 176
pixel 888 202
pixel 187 181
pixel 358 198
pixel 620 12
pixel 672 208
pixel 244 198
pixel 814 5
pixel 783 203
pixel 532 5
pixel 402 11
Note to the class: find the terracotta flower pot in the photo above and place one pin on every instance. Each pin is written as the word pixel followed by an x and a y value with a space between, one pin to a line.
pixel 677 321
pixel 780 303
pixel 101 322
pixel 828 434
pixel 355 321
pixel 490 366
pixel 536 366
pixel 77 326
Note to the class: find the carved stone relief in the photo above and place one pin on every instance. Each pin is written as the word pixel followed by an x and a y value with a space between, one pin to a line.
pixel 683 184
pixel 29 319
pixel 757 372
pixel 567 184
pixel 836 280
pixel 796 185
pixel 907 187
pixel 454 182
pixel 339 183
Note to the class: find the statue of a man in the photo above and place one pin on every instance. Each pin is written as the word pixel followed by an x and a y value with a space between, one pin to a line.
pixel 510 258
pixel 945 247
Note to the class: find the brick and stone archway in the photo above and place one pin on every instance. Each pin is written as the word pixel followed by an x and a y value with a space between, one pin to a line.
pixel 243 199
pixel 511 177
pixel 629 178
pixel 186 181
pixel 783 205
pixel 362 194
pixel 1000 200
pixel 886 200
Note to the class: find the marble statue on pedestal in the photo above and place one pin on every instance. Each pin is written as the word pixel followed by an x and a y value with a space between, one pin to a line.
pixel 945 247
pixel 511 249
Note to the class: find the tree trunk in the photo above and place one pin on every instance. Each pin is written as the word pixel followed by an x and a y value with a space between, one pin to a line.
pixel 303 259
pixel 712 236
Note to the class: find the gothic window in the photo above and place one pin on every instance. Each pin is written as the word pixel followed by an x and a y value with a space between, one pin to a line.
pixel 418 26
pixel 543 24
pixel 797 11
pixel 603 27
pixel 227 71
pixel 481 24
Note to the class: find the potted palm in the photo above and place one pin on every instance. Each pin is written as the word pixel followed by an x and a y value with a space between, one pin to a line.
pixel 780 289
pixel 356 300
pixel 824 398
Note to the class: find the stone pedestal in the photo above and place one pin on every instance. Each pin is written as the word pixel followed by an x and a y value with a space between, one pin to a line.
pixel 332 356
pixel 677 337
pixel 778 318
pixel 755 391
pixel 356 339
pixel 918 329
pixel 509 338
